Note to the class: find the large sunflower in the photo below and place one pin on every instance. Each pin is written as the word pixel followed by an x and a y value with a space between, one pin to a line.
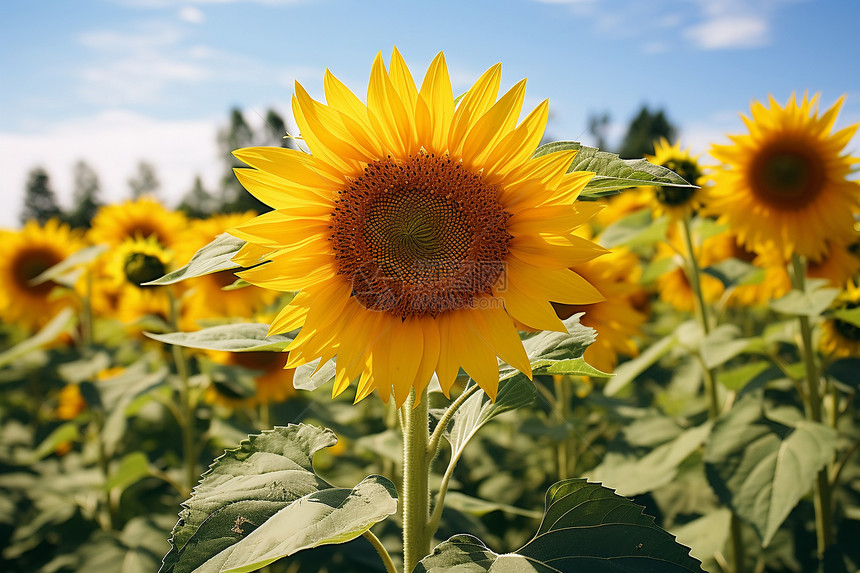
pixel 417 230
pixel 24 255
pixel 783 185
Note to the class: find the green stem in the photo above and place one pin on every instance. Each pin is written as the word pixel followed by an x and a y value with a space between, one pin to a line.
pixel 189 415
pixel 265 416
pixel 433 444
pixel 822 497
pixel 380 549
pixel 562 400
pixel 694 273
pixel 416 483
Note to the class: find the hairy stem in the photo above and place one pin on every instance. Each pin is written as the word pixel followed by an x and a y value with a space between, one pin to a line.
pixel 415 498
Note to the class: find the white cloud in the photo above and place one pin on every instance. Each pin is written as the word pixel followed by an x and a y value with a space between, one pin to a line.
pixel 112 142
pixel 740 31
pixel 191 14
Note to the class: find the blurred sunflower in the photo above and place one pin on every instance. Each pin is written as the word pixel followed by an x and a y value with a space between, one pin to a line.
pixel 838 266
pixel 417 230
pixel 674 286
pixel 774 281
pixel 615 319
pixel 70 402
pixel 133 262
pixel 783 185
pixel 840 338
pixel 676 202
pixel 143 218
pixel 619 206
pixel 273 382
pixel 209 300
pixel 26 254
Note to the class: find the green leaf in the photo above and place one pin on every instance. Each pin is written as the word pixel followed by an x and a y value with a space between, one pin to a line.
pixel 67 271
pixel 634 475
pixel 635 230
pixel 117 393
pixel 737 378
pixel 225 525
pixel 811 302
pixel 658 268
pixel 849 315
pixel 132 468
pixel 721 345
pixel 241 337
pixel 761 468
pixel 215 257
pixel 67 432
pixel 475 506
pixel 735 272
pixel 586 527
pixel 612 172
pixel 626 372
pixel 309 377
pixel 64 321
pixel 478 409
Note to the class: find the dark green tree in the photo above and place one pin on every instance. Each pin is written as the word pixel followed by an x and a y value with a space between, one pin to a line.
pixel 145 181
pixel 85 196
pixel 645 128
pixel 40 201
pixel 275 131
pixel 198 203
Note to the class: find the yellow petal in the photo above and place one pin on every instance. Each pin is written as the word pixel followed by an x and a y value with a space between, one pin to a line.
pixel 474 104
pixel 433 118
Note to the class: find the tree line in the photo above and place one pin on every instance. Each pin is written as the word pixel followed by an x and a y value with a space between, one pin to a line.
pixel 40 200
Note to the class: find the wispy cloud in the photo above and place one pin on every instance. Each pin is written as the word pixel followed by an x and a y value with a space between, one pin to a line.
pixel 741 31
pixel 191 14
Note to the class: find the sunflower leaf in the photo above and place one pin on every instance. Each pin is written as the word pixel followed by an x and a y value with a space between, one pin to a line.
pixel 215 257
pixel 67 271
pixel 240 337
pixel 849 315
pixel 62 322
pixel 612 173
pixel 735 272
pixel 586 527
pixel 761 468
pixel 810 302
pixel 263 501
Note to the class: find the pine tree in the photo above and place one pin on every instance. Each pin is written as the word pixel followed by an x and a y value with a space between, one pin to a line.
pixel 40 201
pixel 145 181
pixel 645 128
pixel 198 203
pixel 85 195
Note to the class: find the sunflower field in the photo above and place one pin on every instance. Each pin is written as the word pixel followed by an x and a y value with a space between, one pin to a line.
pixel 448 346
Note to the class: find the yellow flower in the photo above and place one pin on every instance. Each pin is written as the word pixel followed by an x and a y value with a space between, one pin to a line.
pixel 133 262
pixel 676 202
pixel 774 284
pixel 783 186
pixel 839 338
pixel 143 218
pixel 674 286
pixel 616 319
pixel 838 266
pixel 619 206
pixel 273 383
pixel 24 255
pixel 71 402
pixel 208 299
pixel 417 230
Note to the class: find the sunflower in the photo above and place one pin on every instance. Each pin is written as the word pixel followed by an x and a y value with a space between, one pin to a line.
pixel 676 202
pixel 70 402
pixel 273 383
pixel 840 338
pixel 616 319
pixel 616 207
pixel 26 254
pixel 417 230
pixel 133 262
pixel 838 266
pixel 209 300
pixel 674 286
pixel 774 283
pixel 142 218
pixel 783 186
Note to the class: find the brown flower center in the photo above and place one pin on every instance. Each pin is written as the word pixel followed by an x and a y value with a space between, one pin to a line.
pixel 677 196
pixel 32 262
pixel 419 236
pixel 787 175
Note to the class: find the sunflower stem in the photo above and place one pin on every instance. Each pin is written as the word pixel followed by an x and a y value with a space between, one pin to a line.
pixel 415 498
pixel 562 400
pixel 189 416
pixel 708 374
pixel 822 497
pixel 433 444
pixel 380 549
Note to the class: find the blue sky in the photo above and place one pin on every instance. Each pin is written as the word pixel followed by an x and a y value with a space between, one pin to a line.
pixel 116 81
